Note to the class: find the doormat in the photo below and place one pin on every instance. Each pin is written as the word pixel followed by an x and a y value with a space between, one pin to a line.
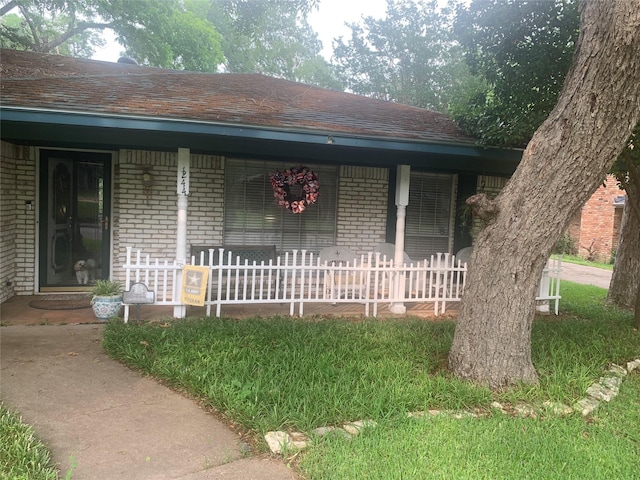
pixel 61 302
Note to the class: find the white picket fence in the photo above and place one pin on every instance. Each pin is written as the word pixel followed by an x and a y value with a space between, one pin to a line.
pixel 299 278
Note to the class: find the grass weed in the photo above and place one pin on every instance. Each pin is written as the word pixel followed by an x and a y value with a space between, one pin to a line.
pixel 22 455
pixel 290 373
pixel 299 374
pixel 493 447
pixel 583 261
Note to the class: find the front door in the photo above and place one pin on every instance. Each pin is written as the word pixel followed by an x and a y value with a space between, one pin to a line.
pixel 75 193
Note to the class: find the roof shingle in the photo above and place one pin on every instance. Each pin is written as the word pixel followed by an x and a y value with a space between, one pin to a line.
pixel 54 82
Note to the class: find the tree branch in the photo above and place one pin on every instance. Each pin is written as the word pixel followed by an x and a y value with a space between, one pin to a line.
pixel 483 207
pixel 82 26
pixel 32 27
pixel 8 7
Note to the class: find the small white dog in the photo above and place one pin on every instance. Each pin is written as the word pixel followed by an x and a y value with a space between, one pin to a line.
pixel 85 271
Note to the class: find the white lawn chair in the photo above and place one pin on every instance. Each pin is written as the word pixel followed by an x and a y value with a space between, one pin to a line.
pixel 339 283
pixel 387 254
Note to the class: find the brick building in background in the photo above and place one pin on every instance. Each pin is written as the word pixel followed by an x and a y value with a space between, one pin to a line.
pixel 596 228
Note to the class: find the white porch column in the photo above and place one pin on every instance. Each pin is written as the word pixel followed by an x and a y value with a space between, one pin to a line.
pixel 180 311
pixel 402 200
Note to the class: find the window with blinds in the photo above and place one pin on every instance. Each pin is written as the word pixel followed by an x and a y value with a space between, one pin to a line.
pixel 251 216
pixel 428 224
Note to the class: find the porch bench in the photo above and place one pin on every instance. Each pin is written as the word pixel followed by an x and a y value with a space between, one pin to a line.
pixel 250 253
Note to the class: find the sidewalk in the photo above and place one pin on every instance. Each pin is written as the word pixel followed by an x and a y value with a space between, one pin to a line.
pixel 111 422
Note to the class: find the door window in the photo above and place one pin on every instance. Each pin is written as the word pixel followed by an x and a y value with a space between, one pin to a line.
pixel 74 218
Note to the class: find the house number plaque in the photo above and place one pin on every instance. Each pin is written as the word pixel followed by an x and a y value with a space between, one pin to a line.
pixel 183 171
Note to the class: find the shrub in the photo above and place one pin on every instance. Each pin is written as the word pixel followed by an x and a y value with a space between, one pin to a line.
pixel 566 245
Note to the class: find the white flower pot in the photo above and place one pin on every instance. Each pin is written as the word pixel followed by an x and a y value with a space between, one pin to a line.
pixel 106 307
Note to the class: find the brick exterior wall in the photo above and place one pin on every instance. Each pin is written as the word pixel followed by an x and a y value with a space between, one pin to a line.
pixel 18 235
pixel 596 228
pixel 149 219
pixel 8 222
pixel 617 223
pixel 362 196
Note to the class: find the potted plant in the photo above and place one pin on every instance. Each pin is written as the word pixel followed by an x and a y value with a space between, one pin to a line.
pixel 106 299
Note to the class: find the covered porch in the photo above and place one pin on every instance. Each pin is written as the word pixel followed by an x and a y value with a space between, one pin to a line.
pixel 19 310
pixel 86 180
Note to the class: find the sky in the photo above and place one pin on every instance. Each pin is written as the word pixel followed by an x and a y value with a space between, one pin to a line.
pixel 329 21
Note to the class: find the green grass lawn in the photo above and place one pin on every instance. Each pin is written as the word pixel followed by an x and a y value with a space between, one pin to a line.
pixel 294 374
pixel 581 261
pixel 22 455
pixel 604 446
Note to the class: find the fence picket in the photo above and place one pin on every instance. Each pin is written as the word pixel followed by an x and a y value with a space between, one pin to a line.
pixel 300 277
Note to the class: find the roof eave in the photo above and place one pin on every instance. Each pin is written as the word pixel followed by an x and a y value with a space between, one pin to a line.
pixel 509 158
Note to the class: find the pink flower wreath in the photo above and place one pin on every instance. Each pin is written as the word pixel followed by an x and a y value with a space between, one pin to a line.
pixel 282 182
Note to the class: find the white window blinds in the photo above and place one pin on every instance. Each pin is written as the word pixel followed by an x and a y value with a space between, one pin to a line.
pixel 428 226
pixel 251 216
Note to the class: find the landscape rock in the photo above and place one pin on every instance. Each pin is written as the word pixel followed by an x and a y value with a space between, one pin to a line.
pixel 354 427
pixel 526 411
pixel 322 431
pixel 558 408
pixel 299 440
pixel 277 441
pixel 617 370
pixel 607 389
pixel 587 405
pixel 631 366
pixel 280 441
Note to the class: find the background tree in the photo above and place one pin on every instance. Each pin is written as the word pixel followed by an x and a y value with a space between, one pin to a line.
pixel 624 289
pixel 271 37
pixel 561 167
pixel 29 27
pixel 238 36
pixel 161 34
pixel 407 57
pixel 522 50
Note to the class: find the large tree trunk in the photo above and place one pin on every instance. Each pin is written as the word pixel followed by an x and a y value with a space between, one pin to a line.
pixel 636 318
pixel 625 280
pixel 566 160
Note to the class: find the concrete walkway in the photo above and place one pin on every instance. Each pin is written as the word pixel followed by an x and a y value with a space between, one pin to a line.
pixel 111 422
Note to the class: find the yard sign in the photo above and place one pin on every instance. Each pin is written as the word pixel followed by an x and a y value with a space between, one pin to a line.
pixel 194 285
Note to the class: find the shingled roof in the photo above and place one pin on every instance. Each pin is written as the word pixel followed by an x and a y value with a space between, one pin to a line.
pixel 59 83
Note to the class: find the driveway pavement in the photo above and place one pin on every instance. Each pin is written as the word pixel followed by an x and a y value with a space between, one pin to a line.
pixel 586 275
pixel 112 422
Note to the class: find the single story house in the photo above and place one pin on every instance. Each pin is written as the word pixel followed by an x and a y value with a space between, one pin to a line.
pixel 98 156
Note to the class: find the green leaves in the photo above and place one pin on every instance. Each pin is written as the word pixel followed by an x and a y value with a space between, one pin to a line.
pixel 409 56
pixel 522 50
pixel 162 34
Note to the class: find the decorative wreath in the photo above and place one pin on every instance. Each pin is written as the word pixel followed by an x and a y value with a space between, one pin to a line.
pixel 282 182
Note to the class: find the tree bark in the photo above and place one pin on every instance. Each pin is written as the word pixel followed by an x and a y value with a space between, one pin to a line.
pixel 625 279
pixel 636 318
pixel 563 164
